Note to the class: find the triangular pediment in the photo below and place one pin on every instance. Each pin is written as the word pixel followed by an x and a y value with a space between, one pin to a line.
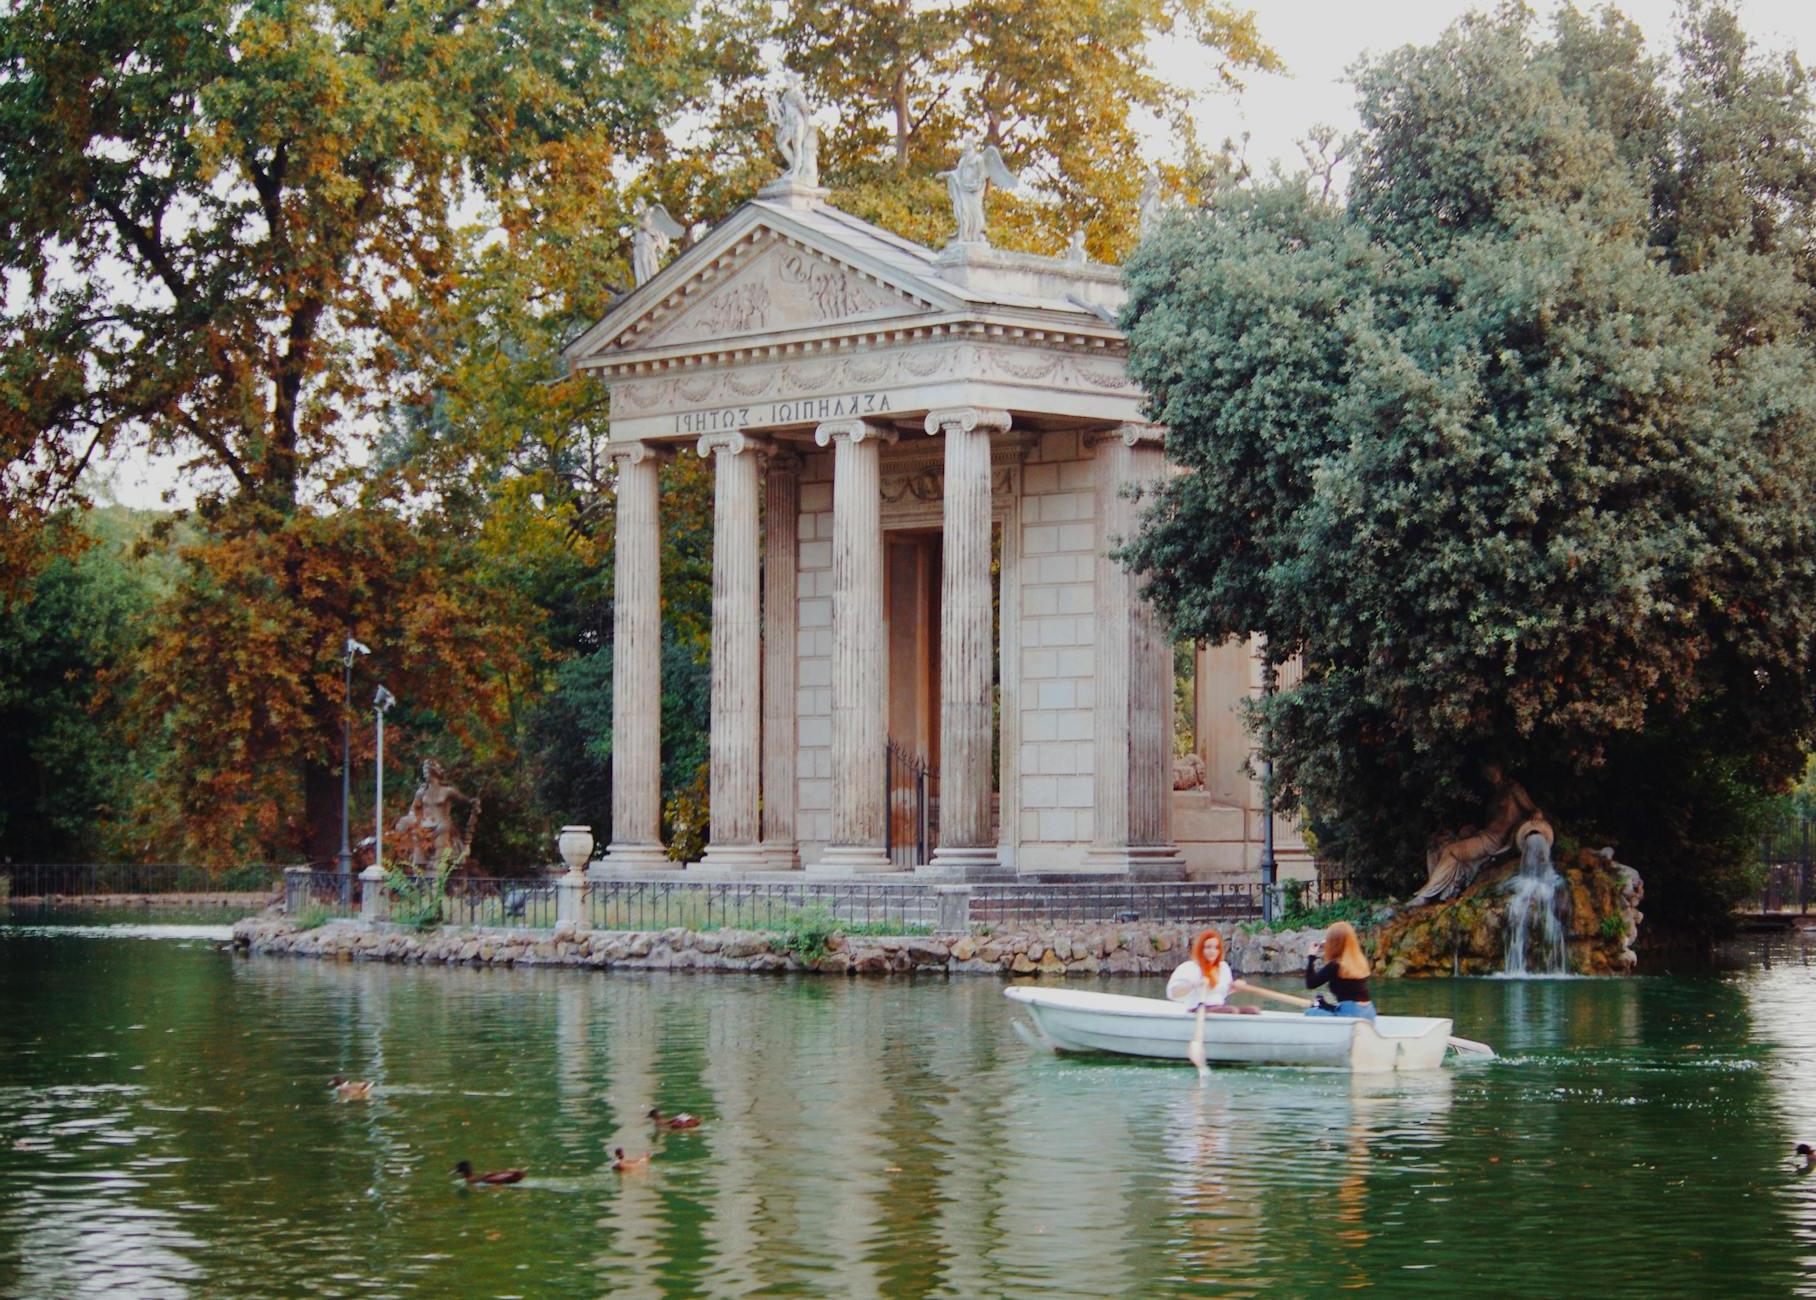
pixel 780 286
pixel 758 275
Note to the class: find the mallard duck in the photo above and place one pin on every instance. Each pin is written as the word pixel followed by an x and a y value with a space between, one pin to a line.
pixel 624 1164
pixel 682 1120
pixel 1808 1155
pixel 350 1090
pixel 497 1178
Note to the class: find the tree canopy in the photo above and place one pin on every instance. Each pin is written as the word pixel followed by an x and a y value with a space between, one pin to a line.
pixel 1515 443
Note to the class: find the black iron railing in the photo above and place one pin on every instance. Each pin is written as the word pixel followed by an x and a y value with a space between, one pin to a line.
pixel 1098 904
pixel 909 789
pixel 500 902
pixel 1787 852
pixel 312 892
pixel 905 908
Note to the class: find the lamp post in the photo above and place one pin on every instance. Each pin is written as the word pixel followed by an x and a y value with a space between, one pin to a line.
pixel 380 703
pixel 1270 871
pixel 351 649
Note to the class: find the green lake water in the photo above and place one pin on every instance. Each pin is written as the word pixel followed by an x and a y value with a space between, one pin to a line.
pixel 165 1130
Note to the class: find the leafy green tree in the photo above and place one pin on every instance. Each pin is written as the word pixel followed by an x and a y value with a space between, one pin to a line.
pixel 66 647
pixel 1517 446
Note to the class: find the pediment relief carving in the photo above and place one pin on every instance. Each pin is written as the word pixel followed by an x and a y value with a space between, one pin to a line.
pixel 780 286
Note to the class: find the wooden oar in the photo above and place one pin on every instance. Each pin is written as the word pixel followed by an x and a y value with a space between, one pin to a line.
pixel 1194 1050
pixel 1460 1044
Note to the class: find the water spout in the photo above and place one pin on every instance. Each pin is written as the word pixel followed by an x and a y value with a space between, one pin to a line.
pixel 1535 930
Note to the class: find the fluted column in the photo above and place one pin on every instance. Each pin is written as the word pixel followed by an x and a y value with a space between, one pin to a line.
pixel 860 701
pixel 736 726
pixel 967 840
pixel 636 842
pixel 1133 815
pixel 781 527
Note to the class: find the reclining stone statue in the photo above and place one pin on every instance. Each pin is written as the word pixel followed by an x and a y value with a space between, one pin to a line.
pixel 1454 861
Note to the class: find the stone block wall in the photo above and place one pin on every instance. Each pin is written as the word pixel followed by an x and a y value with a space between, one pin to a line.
pixel 1058 652
pixel 813 674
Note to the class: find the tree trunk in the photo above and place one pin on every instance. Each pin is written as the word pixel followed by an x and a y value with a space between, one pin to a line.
pixel 321 814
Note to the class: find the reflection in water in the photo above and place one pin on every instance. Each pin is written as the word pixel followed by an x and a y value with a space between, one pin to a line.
pixel 165 1129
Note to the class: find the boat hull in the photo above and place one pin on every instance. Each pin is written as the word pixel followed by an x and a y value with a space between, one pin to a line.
pixel 1078 1021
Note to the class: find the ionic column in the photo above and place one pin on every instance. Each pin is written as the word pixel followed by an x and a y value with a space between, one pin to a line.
pixel 860 700
pixel 967 841
pixel 781 527
pixel 736 727
pixel 1133 815
pixel 636 842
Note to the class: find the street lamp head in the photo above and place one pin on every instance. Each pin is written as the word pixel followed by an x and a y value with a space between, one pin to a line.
pixel 357 648
pixel 383 700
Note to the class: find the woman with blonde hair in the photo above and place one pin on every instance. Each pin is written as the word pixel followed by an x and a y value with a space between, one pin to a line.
pixel 1206 980
pixel 1345 970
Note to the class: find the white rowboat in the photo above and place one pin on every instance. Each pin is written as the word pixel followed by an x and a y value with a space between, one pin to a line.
pixel 1075 1021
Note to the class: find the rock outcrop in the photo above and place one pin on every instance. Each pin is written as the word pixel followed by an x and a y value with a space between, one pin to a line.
pixel 1467 936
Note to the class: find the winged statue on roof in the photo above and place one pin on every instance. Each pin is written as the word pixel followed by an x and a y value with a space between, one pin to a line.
pixel 978 167
pixel 654 232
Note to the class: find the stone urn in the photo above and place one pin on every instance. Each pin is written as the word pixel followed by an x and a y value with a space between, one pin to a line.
pixel 576 845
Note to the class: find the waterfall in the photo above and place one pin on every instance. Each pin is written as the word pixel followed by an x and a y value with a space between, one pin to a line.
pixel 1535 933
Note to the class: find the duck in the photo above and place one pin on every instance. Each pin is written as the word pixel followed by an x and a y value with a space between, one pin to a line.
pixel 351 1090
pixel 625 1164
pixel 681 1120
pixel 1807 1154
pixel 497 1178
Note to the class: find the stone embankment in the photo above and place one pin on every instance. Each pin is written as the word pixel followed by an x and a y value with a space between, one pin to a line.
pixel 1149 950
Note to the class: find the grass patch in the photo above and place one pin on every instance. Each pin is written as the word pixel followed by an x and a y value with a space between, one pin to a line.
pixel 314 916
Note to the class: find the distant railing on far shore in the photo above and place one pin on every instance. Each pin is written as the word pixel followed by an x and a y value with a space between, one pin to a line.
pixel 94 879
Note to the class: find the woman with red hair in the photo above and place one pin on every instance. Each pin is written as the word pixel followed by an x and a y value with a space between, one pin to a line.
pixel 1206 980
pixel 1345 969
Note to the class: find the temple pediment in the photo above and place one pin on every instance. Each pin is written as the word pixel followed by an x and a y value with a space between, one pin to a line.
pixel 769 272
pixel 778 287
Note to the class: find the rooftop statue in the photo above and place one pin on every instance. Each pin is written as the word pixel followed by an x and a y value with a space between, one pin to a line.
pixel 976 169
pixel 1151 207
pixel 650 240
pixel 796 135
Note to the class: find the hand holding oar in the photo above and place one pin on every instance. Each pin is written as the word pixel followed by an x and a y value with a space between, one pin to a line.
pixel 1460 1044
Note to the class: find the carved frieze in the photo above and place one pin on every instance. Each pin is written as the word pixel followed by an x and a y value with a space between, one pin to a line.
pixel 792 383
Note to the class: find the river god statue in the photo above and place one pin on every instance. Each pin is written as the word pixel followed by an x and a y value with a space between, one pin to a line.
pixel 1454 861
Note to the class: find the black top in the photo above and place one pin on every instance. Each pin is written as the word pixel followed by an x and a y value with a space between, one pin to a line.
pixel 1347 990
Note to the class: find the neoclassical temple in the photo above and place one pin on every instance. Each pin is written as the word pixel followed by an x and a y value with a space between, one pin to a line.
pixel 923 657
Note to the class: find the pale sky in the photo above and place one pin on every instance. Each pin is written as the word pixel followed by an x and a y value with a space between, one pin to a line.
pixel 1318 40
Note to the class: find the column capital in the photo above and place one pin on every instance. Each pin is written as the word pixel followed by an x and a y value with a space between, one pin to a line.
pixel 967 419
pixel 1130 435
pixel 853 431
pixel 635 453
pixel 734 442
